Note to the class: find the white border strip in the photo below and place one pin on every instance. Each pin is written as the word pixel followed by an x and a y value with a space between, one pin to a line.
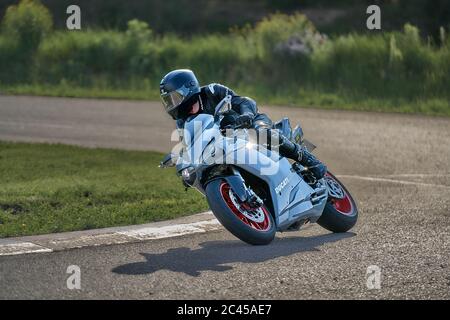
pixel 21 248
pixel 393 181
pixel 173 230
pixel 417 175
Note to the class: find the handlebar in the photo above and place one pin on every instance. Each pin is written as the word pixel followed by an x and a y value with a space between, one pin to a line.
pixel 234 126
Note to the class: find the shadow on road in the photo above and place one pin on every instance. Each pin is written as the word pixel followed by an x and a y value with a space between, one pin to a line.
pixel 214 254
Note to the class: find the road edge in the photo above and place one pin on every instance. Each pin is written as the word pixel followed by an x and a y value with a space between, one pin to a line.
pixel 197 223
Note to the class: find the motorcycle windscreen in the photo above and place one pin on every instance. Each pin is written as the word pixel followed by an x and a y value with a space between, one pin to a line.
pixel 196 137
pixel 308 145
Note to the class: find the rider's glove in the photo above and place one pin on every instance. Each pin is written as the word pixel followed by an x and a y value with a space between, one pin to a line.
pixel 244 121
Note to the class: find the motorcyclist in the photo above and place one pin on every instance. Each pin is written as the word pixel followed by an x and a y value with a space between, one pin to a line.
pixel 182 97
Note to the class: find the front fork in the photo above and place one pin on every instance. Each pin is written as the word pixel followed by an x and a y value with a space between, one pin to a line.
pixel 237 184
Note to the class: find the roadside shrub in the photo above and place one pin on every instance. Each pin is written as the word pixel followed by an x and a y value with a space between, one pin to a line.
pixel 23 28
pixel 356 62
pixel 278 49
pixel 139 50
pixel 8 50
pixel 285 34
pixel 281 57
pixel 216 57
pixel 28 22
pixel 138 31
pixel 82 56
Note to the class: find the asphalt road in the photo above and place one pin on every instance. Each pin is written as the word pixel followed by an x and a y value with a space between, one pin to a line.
pixel 396 166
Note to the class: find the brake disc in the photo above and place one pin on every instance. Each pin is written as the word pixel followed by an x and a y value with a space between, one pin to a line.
pixel 334 188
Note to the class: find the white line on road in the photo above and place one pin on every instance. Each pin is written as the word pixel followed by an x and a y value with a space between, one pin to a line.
pixel 68 240
pixel 21 248
pixel 393 181
pixel 21 124
pixel 417 175
pixel 173 230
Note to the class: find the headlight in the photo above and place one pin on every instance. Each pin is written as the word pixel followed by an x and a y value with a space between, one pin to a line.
pixel 189 175
pixel 185 174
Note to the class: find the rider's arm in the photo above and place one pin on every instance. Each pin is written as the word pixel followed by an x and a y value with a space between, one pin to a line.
pixel 242 105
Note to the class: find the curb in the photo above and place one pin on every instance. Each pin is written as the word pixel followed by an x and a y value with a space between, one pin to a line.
pixel 197 223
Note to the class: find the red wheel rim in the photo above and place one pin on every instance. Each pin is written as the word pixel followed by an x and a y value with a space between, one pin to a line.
pixel 240 209
pixel 342 205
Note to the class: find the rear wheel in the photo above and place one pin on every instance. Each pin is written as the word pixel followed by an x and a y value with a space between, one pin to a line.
pixel 340 213
pixel 252 225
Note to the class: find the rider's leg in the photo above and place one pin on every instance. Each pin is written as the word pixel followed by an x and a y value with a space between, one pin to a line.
pixel 298 153
pixel 287 148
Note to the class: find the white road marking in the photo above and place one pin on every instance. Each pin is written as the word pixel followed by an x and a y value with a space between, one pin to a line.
pixel 21 124
pixel 54 242
pixel 417 175
pixel 173 230
pixel 21 248
pixel 393 181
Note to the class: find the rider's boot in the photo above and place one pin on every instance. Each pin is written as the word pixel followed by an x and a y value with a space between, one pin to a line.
pixel 298 153
pixel 291 150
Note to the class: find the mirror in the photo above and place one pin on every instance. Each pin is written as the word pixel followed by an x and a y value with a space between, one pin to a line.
pixel 168 161
pixel 308 145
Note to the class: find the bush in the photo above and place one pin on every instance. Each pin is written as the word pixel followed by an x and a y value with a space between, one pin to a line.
pixel 357 62
pixel 138 31
pixel 278 58
pixel 23 28
pixel 28 22
pixel 81 56
pixel 10 70
pixel 286 34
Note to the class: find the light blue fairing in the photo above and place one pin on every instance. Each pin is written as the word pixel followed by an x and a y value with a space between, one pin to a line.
pixel 293 199
pixel 197 134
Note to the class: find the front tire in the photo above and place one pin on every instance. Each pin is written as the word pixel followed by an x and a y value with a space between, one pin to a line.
pixel 340 213
pixel 254 226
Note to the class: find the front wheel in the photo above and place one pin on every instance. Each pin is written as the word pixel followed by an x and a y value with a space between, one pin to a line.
pixel 252 225
pixel 340 213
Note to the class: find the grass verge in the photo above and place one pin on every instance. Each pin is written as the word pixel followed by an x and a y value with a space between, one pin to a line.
pixel 46 188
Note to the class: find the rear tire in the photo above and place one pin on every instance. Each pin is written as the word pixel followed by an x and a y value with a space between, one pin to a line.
pixel 339 215
pixel 225 210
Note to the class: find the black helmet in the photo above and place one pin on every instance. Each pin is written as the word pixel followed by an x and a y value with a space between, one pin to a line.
pixel 178 90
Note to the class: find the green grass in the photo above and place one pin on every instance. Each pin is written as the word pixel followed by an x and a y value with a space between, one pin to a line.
pixel 55 188
pixel 63 90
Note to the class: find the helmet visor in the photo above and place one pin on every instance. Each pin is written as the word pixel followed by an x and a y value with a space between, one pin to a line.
pixel 173 99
